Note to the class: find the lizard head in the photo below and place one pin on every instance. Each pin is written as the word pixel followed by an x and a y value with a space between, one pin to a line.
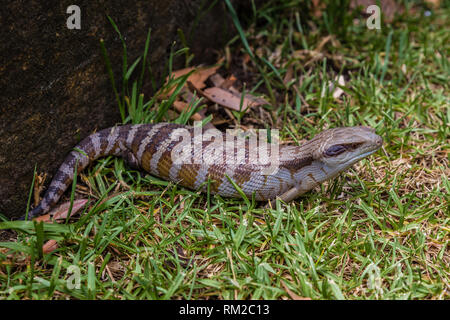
pixel 340 148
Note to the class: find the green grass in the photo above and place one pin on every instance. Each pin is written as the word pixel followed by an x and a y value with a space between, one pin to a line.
pixel 379 231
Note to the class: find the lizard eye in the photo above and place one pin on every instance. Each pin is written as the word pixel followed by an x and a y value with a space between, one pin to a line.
pixel 335 150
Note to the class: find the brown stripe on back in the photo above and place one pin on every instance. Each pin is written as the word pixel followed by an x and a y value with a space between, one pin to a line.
pixel 187 174
pixel 215 175
pixel 67 181
pixel 88 146
pixel 165 162
pixel 140 134
pixel 53 194
pixel 259 196
pixel 161 135
pixel 242 173
pixel 103 136
pixel 117 138
pixel 149 148
pixel 298 163
pixel 123 133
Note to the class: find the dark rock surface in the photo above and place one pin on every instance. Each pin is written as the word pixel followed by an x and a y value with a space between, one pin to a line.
pixel 55 89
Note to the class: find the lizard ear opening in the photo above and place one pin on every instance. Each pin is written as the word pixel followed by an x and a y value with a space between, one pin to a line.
pixel 335 150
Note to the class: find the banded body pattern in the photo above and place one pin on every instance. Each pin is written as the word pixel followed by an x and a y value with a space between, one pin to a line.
pixel 150 146
pixel 215 161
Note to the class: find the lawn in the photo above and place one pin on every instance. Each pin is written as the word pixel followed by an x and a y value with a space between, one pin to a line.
pixel 378 231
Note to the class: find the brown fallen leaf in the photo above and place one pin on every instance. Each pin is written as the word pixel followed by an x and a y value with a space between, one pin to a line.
pixel 219 81
pixel 289 75
pixel 228 82
pixel 184 106
pixel 49 246
pixel 257 101
pixel 227 99
pixel 181 105
pixel 179 73
pixel 198 77
pixel 226 88
pixel 62 211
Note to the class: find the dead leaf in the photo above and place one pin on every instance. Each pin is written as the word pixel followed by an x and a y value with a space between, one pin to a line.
pixel 228 83
pixel 219 81
pixel 257 101
pixel 50 246
pixel 198 77
pixel 227 99
pixel 289 75
pixel 179 73
pixel 184 106
pixel 62 211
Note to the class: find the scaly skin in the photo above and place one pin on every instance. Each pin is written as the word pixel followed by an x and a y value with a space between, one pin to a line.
pixel 151 147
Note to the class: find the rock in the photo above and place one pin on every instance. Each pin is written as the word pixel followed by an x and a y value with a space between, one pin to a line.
pixel 55 87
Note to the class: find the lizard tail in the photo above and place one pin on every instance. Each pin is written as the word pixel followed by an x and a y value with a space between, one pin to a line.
pixel 103 143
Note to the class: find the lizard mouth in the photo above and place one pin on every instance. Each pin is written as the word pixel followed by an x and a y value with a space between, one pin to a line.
pixel 370 150
pixel 365 154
